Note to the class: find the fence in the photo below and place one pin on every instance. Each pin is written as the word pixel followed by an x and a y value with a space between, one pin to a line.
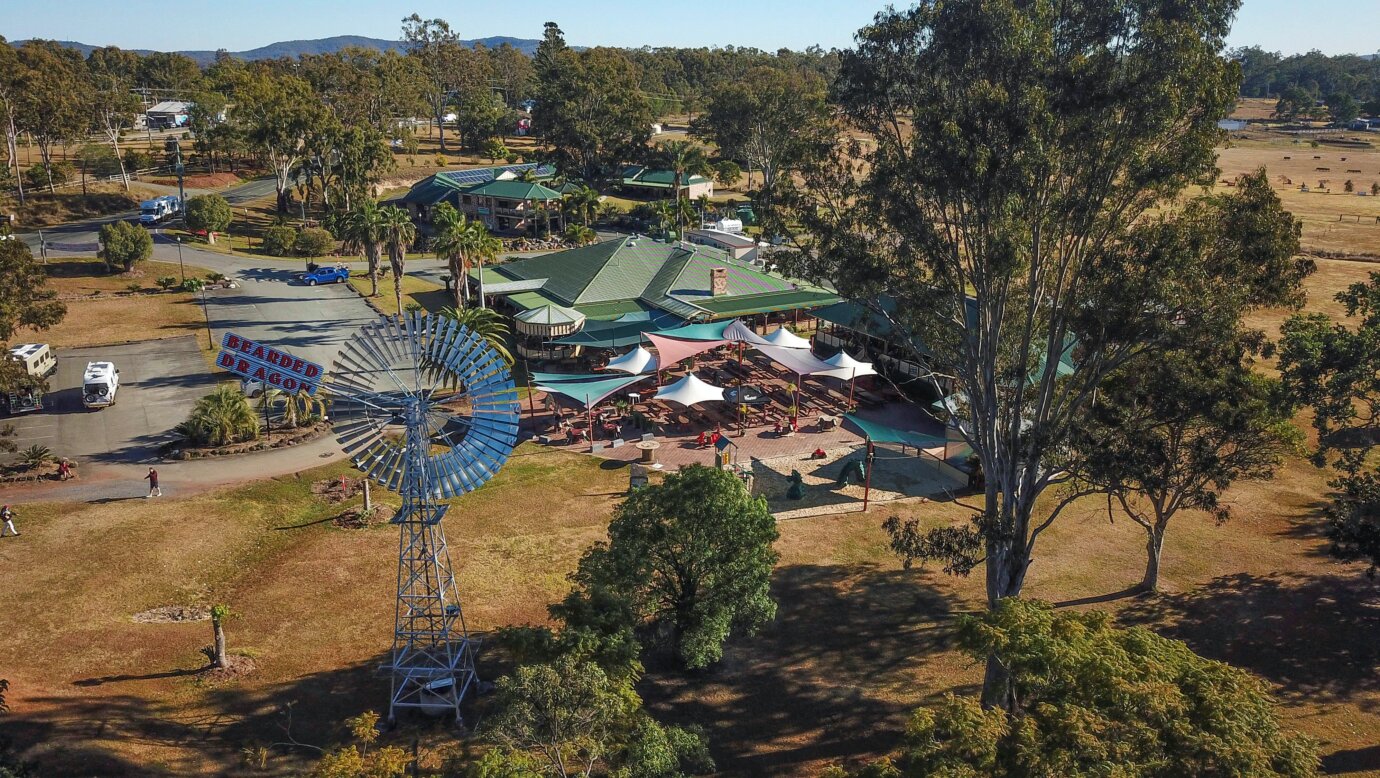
pixel 133 175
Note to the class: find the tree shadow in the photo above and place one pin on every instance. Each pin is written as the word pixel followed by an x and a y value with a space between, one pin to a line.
pixel 1312 636
pixel 1352 761
pixel 831 678
pixel 204 728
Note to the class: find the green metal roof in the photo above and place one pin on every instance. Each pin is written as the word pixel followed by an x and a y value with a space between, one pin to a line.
pixel 746 305
pixel 636 175
pixel 627 275
pixel 513 190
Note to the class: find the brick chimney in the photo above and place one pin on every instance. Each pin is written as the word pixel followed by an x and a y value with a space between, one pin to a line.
pixel 718 281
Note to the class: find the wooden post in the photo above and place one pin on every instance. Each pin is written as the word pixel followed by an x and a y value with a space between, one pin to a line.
pixel 368 499
pixel 589 416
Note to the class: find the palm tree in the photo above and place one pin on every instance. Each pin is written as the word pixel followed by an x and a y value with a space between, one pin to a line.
pixel 583 202
pixel 580 235
pixel 221 418
pixel 485 323
pixel 398 234
pixel 481 247
pixel 451 241
pixel 684 159
pixel 362 231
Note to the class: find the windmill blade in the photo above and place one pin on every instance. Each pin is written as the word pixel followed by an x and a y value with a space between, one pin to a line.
pixel 387 381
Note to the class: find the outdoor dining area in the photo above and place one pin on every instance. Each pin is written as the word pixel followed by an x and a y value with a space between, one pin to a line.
pixel 705 382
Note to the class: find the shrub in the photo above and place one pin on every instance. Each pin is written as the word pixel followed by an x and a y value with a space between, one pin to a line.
pixel 220 418
pixel 137 160
pixel 35 456
pixel 314 242
pixel 440 160
pixel 124 244
pixel 166 282
pixel 279 241
pixel 135 288
pixel 193 285
pixel 215 278
pixel 37 176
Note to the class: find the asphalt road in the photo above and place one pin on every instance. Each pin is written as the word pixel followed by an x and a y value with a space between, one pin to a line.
pixel 159 381
pixel 85 231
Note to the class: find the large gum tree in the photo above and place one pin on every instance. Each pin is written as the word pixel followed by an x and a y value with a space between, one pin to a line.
pixel 1011 182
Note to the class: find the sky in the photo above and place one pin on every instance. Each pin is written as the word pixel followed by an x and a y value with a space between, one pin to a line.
pixel 1290 26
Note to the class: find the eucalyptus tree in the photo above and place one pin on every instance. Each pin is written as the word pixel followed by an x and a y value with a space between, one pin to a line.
pixel 12 80
pixel 277 114
pixel 1010 200
pixel 113 104
pixel 436 49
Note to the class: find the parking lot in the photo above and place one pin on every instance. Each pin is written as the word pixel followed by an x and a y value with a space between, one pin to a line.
pixel 159 382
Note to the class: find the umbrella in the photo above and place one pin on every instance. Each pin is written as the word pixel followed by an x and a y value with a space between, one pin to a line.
pixel 788 339
pixel 637 361
pixel 690 391
pixel 746 395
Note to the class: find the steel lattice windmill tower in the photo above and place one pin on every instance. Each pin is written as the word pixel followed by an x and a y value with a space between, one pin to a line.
pixel 425 407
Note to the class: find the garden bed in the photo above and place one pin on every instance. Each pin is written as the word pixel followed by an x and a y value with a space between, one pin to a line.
pixel 177 450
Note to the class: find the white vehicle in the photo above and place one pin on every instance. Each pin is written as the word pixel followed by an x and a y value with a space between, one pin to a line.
pixel 37 358
pixel 252 389
pixel 159 209
pixel 99 384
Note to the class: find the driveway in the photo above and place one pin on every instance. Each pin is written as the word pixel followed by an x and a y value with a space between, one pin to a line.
pixel 311 322
pixel 159 382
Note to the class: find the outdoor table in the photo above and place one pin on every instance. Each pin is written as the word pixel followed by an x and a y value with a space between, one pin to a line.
pixel 648 449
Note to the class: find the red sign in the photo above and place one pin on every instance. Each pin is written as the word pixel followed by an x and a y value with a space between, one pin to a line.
pixel 270 366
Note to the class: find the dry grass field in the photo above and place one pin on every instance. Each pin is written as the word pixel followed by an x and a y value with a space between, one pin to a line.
pixel 1334 220
pixel 114 315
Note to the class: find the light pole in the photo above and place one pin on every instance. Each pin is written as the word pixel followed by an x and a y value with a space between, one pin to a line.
pixel 181 268
pixel 210 342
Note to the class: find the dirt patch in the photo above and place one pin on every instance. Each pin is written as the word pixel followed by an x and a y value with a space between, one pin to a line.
pixel 235 667
pixel 357 518
pixel 173 614
pixel 337 490
pixel 202 181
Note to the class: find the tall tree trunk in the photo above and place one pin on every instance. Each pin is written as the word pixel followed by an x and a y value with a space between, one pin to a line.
pixel 480 264
pixel 1154 546
pixel 221 660
pixel 1005 571
pixel 12 144
pixel 455 280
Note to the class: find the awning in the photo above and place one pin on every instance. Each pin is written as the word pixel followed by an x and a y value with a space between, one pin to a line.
pixel 669 351
pixel 626 330
pixel 689 391
pixel 565 378
pixel 738 332
pixel 712 331
pixel 787 339
pixel 802 362
pixel 881 433
pixel 845 362
pixel 637 361
pixel 588 393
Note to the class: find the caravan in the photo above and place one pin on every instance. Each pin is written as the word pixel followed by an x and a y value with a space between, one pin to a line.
pixel 39 363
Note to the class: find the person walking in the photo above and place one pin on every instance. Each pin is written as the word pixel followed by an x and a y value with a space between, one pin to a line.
pixel 7 516
pixel 152 478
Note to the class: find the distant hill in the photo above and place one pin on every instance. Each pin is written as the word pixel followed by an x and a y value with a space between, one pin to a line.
pixel 320 46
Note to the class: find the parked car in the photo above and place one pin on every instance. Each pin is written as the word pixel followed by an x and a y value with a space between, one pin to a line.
pixel 325 275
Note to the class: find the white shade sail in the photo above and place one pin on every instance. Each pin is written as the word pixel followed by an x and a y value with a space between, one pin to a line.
pixel 842 361
pixel 637 362
pixel 787 339
pixel 689 391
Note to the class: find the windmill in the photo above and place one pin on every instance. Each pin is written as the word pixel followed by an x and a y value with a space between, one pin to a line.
pixel 425 407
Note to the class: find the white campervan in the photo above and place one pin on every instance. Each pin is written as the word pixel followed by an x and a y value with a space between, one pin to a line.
pixel 39 363
pixel 99 384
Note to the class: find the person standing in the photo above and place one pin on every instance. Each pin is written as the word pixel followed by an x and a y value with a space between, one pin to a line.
pixel 7 516
pixel 152 478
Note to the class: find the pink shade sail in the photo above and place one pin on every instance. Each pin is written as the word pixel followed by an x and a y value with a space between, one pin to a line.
pixel 669 351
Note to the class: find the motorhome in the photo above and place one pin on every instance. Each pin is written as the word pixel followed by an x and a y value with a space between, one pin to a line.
pixel 159 209
pixel 99 384
pixel 39 363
